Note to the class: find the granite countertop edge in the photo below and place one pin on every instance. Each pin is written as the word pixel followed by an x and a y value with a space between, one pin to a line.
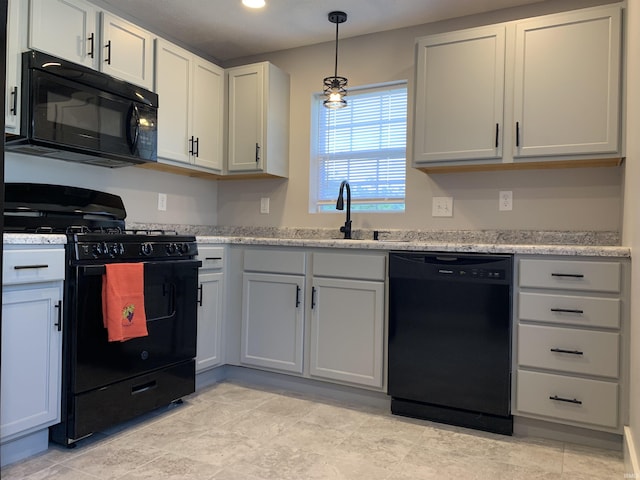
pixel 383 244
pixel 33 239
pixel 386 245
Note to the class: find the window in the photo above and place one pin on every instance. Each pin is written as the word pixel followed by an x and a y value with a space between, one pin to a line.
pixel 364 143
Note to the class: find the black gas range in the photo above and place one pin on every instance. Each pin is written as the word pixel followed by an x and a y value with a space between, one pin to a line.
pixel 103 382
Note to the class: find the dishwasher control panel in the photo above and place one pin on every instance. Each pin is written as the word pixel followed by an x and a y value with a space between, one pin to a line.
pixel 479 273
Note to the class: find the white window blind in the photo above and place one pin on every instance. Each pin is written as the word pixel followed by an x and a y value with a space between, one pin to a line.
pixel 364 143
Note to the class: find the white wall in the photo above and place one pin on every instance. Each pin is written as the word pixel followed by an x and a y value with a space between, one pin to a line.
pixel 631 231
pixel 190 201
pixel 573 199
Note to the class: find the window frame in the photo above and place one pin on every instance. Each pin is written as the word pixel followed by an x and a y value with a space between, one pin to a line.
pixel 317 205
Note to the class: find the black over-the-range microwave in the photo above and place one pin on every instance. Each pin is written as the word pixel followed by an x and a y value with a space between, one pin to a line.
pixel 74 113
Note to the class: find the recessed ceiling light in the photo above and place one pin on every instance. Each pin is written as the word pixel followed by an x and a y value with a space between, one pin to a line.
pixel 253 3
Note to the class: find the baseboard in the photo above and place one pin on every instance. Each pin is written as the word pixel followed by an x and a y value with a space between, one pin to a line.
pixel 631 456
pixel 211 377
pixel 23 447
pixel 309 386
pixel 530 427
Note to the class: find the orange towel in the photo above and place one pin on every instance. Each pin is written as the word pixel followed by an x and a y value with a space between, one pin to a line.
pixel 123 301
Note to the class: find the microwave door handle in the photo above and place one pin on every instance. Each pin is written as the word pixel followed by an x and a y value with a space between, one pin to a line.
pixel 134 127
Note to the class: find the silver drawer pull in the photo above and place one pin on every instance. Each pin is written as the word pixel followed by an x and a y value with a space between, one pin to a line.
pixel 567 310
pixel 562 350
pixel 570 275
pixel 567 400
pixel 29 267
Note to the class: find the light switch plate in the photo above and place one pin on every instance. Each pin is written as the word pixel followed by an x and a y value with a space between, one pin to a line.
pixel 442 207
pixel 264 205
pixel 162 202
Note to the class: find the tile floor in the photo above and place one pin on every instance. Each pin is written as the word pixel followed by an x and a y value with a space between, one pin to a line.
pixel 235 432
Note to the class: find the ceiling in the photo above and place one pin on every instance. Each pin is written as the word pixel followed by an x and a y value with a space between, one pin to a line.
pixel 225 29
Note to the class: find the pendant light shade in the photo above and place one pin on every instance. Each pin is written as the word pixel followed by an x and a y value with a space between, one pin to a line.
pixel 335 88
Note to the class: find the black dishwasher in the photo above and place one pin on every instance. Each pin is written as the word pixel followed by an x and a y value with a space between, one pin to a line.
pixel 450 338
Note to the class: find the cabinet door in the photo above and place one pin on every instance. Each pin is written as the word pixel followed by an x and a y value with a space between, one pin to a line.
pixel 246 114
pixel 459 95
pixel 173 85
pixel 127 51
pixel 272 321
pixel 567 76
pixel 208 110
pixel 347 331
pixel 209 321
pixel 16 43
pixel 31 358
pixel 66 29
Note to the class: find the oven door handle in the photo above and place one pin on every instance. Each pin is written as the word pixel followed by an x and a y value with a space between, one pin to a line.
pixel 92 270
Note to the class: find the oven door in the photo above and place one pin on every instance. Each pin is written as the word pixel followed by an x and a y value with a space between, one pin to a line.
pixel 170 289
pixel 70 115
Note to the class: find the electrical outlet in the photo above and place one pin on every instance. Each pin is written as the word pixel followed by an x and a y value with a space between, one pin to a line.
pixel 442 207
pixel 264 205
pixel 505 200
pixel 162 202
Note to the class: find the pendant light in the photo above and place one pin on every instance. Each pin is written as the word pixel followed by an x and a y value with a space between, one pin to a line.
pixel 335 87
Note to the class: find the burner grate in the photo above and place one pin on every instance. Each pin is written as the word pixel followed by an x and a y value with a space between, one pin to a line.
pixel 151 232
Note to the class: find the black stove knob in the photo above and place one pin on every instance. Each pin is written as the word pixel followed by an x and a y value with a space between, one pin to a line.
pixel 116 249
pixel 171 248
pixel 184 248
pixel 146 249
pixel 96 249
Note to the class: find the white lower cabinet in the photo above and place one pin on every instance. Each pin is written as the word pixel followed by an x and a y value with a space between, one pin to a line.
pixel 572 345
pixel 325 322
pixel 272 331
pixel 272 321
pixel 31 341
pixel 347 328
pixel 210 308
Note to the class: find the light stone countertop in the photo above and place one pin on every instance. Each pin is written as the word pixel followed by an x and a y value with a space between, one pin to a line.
pixel 416 245
pixel 33 239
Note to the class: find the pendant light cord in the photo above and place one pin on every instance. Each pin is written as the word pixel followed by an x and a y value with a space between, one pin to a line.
pixel 335 74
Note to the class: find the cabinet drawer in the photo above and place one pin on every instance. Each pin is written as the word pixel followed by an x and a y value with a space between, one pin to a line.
pixel 344 265
pixel 588 401
pixel 30 266
pixel 569 350
pixel 570 275
pixel 275 261
pixel 211 257
pixel 569 309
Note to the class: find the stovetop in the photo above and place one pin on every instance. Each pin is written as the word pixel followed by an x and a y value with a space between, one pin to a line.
pixel 93 222
pixel 131 245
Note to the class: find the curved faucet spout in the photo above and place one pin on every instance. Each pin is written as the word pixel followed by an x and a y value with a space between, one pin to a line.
pixel 346 229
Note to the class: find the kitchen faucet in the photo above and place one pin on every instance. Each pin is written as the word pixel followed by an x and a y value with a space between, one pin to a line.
pixel 346 229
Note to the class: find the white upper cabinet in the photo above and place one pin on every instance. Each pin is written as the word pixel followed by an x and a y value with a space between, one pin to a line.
pixel 208 114
pixel 258 120
pixel 545 89
pixel 567 81
pixel 190 116
pixel 79 32
pixel 127 51
pixel 173 85
pixel 17 15
pixel 459 95
pixel 66 29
